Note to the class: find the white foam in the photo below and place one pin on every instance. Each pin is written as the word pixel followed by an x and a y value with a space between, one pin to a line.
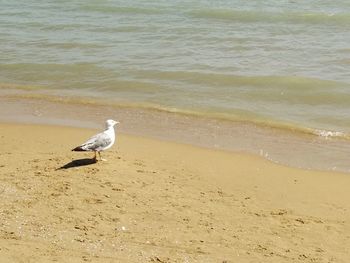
pixel 324 133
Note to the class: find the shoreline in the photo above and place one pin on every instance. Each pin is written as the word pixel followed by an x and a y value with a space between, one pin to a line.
pixel 158 201
pixel 280 146
pixel 91 100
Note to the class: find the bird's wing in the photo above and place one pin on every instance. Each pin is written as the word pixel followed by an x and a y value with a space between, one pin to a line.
pixel 97 142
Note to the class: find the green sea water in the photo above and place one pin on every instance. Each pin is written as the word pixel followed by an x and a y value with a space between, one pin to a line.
pixel 283 64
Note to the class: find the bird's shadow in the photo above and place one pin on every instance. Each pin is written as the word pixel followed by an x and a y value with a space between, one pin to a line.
pixel 77 163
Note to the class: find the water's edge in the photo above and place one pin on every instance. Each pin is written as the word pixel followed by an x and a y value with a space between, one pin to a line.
pixel 283 146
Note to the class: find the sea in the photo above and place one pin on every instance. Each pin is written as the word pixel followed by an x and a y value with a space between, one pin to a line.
pixel 265 77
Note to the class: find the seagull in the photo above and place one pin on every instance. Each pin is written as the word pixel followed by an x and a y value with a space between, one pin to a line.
pixel 100 142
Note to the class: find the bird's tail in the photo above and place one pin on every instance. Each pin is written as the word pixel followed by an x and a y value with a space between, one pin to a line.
pixel 78 149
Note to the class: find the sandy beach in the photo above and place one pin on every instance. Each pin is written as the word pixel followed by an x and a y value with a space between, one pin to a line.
pixel 156 201
pixel 234 136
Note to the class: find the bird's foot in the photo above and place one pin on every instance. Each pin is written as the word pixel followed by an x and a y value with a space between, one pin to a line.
pixel 103 160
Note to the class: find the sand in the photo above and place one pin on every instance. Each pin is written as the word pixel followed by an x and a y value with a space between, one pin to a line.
pixel 156 201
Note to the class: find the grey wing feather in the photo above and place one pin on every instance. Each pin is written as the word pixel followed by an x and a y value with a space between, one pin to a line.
pixel 97 142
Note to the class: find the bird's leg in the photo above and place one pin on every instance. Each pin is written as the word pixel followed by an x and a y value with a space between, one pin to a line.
pixel 99 153
pixel 95 157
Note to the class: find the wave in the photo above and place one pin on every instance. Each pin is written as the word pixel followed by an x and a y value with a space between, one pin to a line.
pixel 121 9
pixel 327 134
pixel 48 73
pixel 239 116
pixel 230 79
pixel 291 89
pixel 69 45
pixel 272 17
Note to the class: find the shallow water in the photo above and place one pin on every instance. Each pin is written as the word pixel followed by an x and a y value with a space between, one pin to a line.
pixel 278 145
pixel 278 64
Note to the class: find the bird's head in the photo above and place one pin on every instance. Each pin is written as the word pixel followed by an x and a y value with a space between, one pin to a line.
pixel 111 123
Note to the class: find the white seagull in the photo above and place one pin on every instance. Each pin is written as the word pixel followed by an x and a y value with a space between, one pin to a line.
pixel 99 142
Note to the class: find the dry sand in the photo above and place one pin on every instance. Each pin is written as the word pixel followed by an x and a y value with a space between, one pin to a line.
pixel 155 201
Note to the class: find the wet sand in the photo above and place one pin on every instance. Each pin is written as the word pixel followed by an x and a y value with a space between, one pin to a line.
pixel 156 201
pixel 284 146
